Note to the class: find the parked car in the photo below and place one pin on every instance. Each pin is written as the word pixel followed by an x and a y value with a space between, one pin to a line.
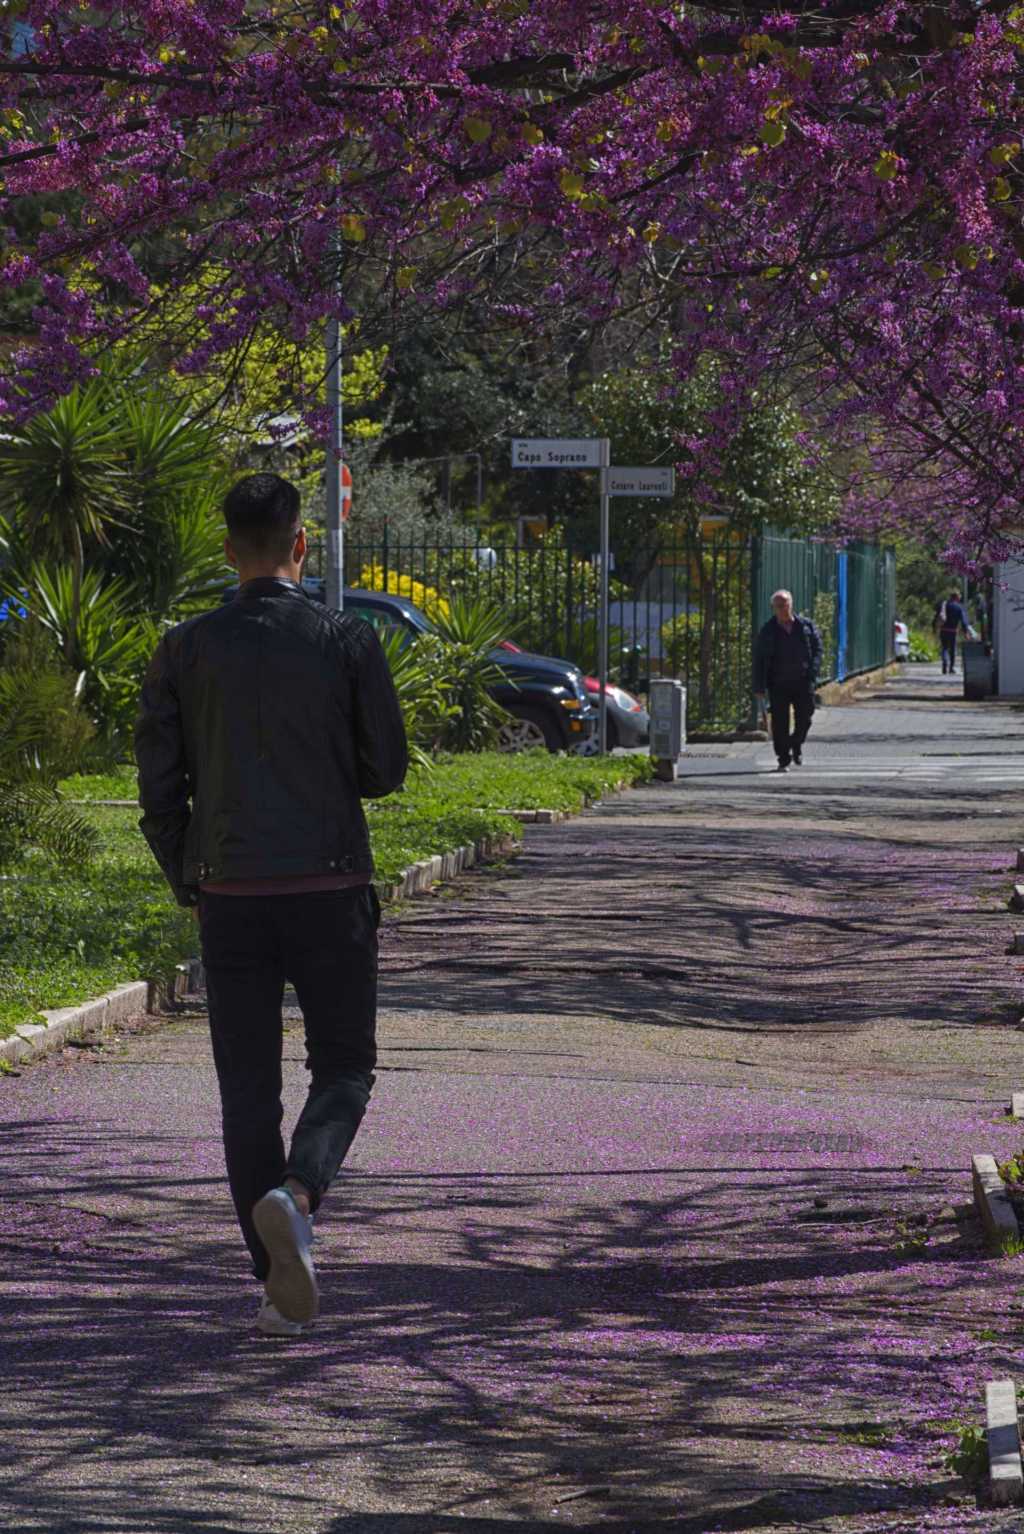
pixel 547 697
pixel 901 641
pixel 629 723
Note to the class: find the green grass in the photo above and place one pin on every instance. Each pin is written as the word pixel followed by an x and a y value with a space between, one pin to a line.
pixel 121 783
pixel 67 937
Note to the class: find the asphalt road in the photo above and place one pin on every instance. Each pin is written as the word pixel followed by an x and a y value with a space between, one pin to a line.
pixel 652 1224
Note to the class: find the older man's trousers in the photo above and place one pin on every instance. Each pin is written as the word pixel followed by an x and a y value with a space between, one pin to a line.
pixel 792 705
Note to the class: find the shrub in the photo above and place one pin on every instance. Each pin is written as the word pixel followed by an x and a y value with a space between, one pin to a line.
pixel 824 618
pixel 44 735
pixel 373 577
pixel 98 630
pixel 417 671
pixel 714 664
pixel 469 632
pixel 443 680
pixel 923 645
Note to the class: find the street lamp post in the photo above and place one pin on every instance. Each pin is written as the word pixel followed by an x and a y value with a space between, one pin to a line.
pixel 334 592
pixel 332 474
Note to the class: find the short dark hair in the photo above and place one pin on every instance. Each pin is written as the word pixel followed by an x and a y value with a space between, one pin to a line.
pixel 263 513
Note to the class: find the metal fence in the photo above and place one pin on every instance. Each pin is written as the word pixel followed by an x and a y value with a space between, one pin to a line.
pixel 685 605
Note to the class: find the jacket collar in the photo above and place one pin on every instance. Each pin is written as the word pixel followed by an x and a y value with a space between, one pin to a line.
pixel 270 586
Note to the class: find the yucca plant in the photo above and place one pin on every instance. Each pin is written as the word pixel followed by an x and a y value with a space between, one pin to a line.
pixel 416 670
pixel 62 482
pixel 470 630
pixel 97 628
pixel 99 631
pixel 191 570
pixel 177 476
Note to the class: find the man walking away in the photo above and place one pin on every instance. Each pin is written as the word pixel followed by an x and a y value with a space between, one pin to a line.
pixel 787 658
pixel 949 618
pixel 261 725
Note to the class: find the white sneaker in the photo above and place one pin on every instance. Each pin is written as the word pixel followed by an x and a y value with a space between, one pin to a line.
pixel 287 1235
pixel 272 1323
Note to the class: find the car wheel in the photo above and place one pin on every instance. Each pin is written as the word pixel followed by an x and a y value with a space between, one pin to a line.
pixel 527 729
pixel 592 746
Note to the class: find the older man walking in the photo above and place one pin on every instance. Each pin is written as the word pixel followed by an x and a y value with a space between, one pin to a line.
pixel 261 726
pixel 787 659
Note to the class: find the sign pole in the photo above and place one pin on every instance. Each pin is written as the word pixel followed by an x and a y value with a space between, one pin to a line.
pixel 595 453
pixel 333 489
pixel 332 477
pixel 602 674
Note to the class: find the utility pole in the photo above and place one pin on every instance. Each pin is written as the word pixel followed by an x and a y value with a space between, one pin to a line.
pixel 605 539
pixel 335 572
pixel 332 472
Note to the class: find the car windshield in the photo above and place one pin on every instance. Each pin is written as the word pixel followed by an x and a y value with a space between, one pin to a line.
pixel 386 615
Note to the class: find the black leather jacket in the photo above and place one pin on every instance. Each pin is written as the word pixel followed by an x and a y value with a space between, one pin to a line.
pixel 261 726
pixel 764 651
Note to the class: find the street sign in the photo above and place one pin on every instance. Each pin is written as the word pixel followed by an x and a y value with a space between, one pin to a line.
pixel 346 492
pixel 580 453
pixel 649 481
pixel 557 452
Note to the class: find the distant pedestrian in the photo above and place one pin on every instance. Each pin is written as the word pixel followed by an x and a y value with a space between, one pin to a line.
pixel 261 725
pixel 950 619
pixel 787 659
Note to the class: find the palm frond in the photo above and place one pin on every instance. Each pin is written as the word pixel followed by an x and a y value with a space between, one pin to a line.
pixel 60 476
pixel 106 634
pixel 34 814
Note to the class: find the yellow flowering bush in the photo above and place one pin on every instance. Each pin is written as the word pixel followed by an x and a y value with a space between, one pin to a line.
pixel 430 601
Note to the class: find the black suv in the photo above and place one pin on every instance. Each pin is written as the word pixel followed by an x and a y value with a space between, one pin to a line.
pixel 547 698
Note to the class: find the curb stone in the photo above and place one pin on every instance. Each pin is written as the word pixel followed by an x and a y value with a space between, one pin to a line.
pixel 421 876
pixel 991 1200
pixel 443 867
pixel 31 1040
pixel 1005 1473
pixel 537 817
pixel 93 1019
pixel 1017 1105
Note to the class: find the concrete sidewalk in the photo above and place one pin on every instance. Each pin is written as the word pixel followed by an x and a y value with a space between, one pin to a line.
pixel 648 1226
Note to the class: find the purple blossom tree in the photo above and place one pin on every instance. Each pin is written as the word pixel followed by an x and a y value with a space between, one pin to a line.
pixel 826 198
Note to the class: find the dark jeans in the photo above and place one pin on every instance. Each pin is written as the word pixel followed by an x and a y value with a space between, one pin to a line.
pixel 326 945
pixel 800 697
pixel 947 643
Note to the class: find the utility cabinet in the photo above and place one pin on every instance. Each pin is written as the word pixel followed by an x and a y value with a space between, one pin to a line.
pixel 667 702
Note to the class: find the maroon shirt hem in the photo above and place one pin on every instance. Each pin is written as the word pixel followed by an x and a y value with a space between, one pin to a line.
pixel 298 884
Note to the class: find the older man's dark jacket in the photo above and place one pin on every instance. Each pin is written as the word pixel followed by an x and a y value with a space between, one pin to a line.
pixel 261 726
pixel 767 652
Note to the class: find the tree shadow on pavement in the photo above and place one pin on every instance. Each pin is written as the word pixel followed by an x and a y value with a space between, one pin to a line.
pixel 523 1348
pixel 754 931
